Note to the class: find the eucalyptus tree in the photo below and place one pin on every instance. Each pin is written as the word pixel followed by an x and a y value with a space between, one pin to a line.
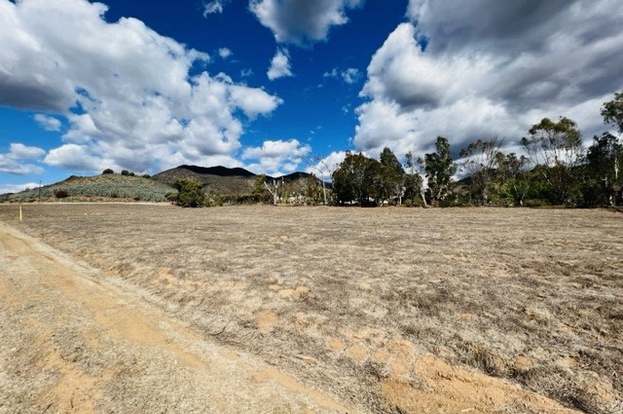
pixel 555 149
pixel 478 161
pixel 440 168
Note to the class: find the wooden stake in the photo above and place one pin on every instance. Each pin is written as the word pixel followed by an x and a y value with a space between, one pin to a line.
pixel 21 214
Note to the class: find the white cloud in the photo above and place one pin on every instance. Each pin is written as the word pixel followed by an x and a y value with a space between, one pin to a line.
pixel 333 73
pixel 141 107
pixel 279 65
pixel 225 53
pixel 211 7
pixel 276 157
pixel 324 167
pixel 348 75
pixel 12 162
pixel 76 157
pixel 302 22
pixel 490 74
pixel 351 75
pixel 16 188
pixel 49 123
pixel 18 151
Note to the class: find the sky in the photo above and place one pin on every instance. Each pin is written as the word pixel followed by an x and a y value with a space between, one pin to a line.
pixel 277 86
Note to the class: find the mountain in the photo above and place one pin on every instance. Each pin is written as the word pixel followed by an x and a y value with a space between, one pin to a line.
pixel 226 181
pixel 100 187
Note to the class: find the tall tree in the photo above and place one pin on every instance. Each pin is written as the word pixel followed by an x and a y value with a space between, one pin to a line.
pixel 612 112
pixel 512 176
pixel 414 183
pixel 392 176
pixel 478 161
pixel 604 159
pixel 357 179
pixel 259 190
pixel 557 148
pixel 439 168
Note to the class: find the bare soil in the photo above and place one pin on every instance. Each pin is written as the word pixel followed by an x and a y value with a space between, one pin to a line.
pixel 390 310
pixel 74 342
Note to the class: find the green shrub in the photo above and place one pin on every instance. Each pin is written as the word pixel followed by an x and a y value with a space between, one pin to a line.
pixel 190 194
pixel 61 193
pixel 146 176
pixel 107 171
pixel 125 173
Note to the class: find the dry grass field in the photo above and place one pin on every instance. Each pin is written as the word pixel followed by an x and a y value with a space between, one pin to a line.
pixel 393 310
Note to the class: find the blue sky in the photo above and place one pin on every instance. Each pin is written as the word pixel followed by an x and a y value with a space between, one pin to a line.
pixel 85 86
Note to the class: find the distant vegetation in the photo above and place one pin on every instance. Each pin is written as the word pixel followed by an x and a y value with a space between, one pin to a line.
pixel 189 194
pixel 555 170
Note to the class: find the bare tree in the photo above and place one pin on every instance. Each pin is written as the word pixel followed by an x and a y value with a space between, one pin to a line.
pixel 325 172
pixel 273 189
pixel 416 167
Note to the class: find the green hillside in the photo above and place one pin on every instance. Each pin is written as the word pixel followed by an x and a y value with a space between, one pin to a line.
pixel 98 188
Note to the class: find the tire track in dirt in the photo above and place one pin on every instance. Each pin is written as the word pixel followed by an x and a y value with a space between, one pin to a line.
pixel 80 344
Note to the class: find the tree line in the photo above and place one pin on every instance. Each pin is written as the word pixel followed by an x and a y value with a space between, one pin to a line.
pixel 554 168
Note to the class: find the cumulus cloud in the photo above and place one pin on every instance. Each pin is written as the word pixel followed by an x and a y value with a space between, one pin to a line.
pixel 211 7
pixel 138 105
pixel 20 151
pixel 225 53
pixel 276 157
pixel 49 123
pixel 324 167
pixel 491 69
pixel 19 159
pixel 302 22
pixel 279 65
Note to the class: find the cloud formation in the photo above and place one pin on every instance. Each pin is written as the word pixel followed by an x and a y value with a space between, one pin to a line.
pixel 302 22
pixel 211 7
pixel 49 123
pixel 126 91
pixel 348 75
pixel 491 69
pixel 324 167
pixel 276 157
pixel 225 53
pixel 19 160
pixel 279 65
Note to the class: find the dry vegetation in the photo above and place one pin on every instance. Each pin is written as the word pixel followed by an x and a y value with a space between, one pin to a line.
pixel 401 310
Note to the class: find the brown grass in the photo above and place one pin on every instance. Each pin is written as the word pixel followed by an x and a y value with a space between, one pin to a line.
pixel 346 297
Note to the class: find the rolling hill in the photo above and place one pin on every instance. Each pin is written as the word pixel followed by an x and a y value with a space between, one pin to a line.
pixel 97 188
pixel 227 183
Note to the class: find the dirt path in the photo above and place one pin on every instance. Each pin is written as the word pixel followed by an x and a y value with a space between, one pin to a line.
pixel 72 341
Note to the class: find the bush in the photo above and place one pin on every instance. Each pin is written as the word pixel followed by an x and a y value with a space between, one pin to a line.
pixel 125 173
pixel 190 194
pixel 61 193
pixel 146 176
pixel 107 171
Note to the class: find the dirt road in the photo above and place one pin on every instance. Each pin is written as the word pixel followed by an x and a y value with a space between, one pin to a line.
pixel 74 341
